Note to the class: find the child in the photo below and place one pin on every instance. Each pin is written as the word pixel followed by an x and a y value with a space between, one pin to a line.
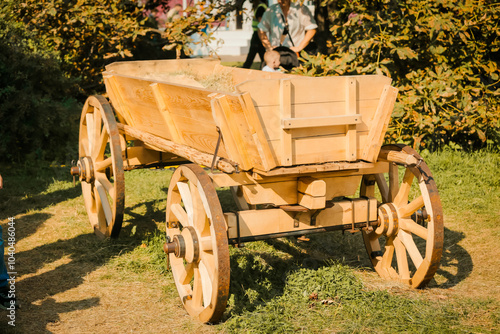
pixel 272 59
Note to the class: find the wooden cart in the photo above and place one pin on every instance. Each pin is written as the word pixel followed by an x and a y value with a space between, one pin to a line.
pixel 301 155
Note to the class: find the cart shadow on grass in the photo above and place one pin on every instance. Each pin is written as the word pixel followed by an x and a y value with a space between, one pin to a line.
pixel 78 256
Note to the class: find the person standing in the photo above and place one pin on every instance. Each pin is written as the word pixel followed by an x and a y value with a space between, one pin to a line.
pixel 256 47
pixel 287 24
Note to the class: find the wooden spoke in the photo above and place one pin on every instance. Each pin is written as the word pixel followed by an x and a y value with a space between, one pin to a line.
pixel 410 226
pixel 388 253
pixel 101 166
pixel 108 186
pixel 180 214
pixel 192 202
pixel 411 248
pixel 100 145
pixel 402 260
pixel 187 273
pixel 383 187
pixel 404 190
pixel 103 182
pixel 206 284
pixel 108 213
pixel 206 244
pixel 187 200
pixel 415 195
pixel 89 118
pixel 412 207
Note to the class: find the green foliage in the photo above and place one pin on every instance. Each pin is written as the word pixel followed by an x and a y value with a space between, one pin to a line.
pixel 442 55
pixel 38 114
pixel 90 34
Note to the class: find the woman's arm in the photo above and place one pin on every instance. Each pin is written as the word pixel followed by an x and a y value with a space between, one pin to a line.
pixel 305 42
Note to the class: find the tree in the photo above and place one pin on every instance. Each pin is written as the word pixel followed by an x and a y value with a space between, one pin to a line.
pixel 442 55
pixel 39 115
pixel 88 34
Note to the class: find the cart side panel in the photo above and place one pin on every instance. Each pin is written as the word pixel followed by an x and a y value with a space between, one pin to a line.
pixel 134 102
pixel 243 136
pixel 294 112
pixel 178 113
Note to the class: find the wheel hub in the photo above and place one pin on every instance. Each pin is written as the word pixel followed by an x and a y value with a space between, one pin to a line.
pixel 84 169
pixel 184 245
pixel 388 220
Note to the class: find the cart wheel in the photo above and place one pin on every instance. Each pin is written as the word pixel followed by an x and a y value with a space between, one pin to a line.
pixel 197 243
pixel 100 167
pixel 410 222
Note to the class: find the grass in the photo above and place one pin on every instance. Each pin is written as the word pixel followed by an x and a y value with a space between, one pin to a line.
pixel 69 281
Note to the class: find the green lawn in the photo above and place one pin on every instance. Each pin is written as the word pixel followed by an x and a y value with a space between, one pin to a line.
pixel 69 281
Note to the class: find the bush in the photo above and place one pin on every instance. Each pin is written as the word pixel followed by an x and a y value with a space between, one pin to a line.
pixel 88 35
pixel 442 55
pixel 38 114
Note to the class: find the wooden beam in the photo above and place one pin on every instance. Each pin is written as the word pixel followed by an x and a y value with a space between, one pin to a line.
pixel 351 109
pixel 285 98
pixel 310 122
pixel 269 221
pixel 258 134
pixel 380 123
pixel 232 142
pixel 186 152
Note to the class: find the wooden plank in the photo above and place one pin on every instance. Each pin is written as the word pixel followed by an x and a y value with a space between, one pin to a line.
pixel 236 179
pixel 262 222
pixel 117 101
pixel 315 150
pixel 199 134
pixel 310 122
pixel 220 108
pixel 285 95
pixel 272 122
pixel 142 111
pixel 278 193
pixel 255 125
pixel 349 167
pixel 381 122
pixel 311 202
pixel 341 186
pixel 241 131
pixel 351 109
pixel 180 150
pixel 140 155
pixel 164 106
pixel 307 90
pixel 311 186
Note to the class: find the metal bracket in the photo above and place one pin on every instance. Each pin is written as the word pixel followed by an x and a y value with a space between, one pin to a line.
pixel 353 229
pixel 368 227
pixel 216 149
pixel 239 244
pixel 313 217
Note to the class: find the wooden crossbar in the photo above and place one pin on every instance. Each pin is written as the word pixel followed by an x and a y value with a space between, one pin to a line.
pixel 311 122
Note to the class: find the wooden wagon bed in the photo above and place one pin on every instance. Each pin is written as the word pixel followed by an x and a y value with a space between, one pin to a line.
pixel 268 120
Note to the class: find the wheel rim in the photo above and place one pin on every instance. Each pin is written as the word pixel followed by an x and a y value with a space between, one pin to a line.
pixel 408 243
pixel 195 224
pixel 101 167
